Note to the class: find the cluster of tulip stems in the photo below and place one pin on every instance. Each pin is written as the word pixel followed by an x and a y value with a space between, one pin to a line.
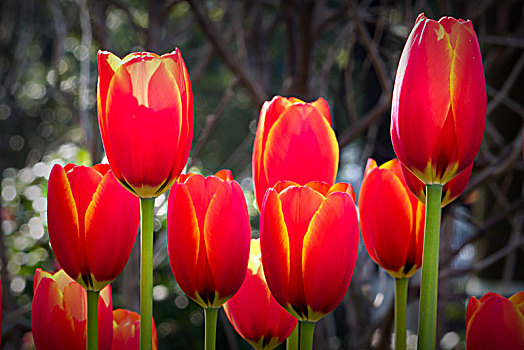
pixel 300 269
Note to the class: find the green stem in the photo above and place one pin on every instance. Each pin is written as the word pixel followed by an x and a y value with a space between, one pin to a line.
pixel 147 206
pixel 210 320
pixel 292 340
pixel 401 298
pixel 92 320
pixel 427 319
pixel 306 335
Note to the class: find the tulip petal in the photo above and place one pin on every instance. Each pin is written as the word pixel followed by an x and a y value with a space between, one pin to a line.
pixel 63 223
pixel 468 92
pixel 181 75
pixel 183 238
pixel 274 245
pixel 227 227
pixel 322 106
pixel 108 253
pixel 248 308
pixel 299 204
pixel 269 113
pixel 473 305
pixel 301 131
pixel 330 254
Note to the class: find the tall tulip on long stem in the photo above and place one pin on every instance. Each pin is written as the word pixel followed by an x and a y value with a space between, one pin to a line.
pixel 82 206
pixel 391 222
pixel 145 113
pixel 437 123
pixel 208 241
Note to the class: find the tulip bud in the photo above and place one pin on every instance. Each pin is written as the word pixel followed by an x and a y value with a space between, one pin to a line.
pixel 208 234
pixel 439 100
pixel 92 223
pixel 309 240
pixel 391 220
pixel 145 112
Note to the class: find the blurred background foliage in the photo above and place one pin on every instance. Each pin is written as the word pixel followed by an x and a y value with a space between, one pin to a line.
pixel 239 54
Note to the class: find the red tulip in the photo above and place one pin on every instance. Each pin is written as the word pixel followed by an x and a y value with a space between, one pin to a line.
pixel 145 112
pixel 294 142
pixel 208 236
pixel 59 313
pixel 126 331
pixel 309 243
pixel 92 223
pixel 494 322
pixel 391 219
pixel 450 191
pixel 439 100
pixel 253 310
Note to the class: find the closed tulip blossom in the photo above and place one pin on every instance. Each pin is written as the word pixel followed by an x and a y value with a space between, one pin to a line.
pixel 439 100
pixel 126 331
pixel 494 322
pixel 59 312
pixel 294 142
pixel 207 217
pixel 145 113
pixel 391 220
pixel 254 312
pixel 92 223
pixel 309 244
pixel 208 235
pixel 450 191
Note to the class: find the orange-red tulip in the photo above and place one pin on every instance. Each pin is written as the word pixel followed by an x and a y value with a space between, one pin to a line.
pixel 254 312
pixel 126 331
pixel 294 142
pixel 450 191
pixel 92 223
pixel 145 112
pixel 59 313
pixel 208 236
pixel 439 100
pixel 391 219
pixel 309 243
pixel 494 322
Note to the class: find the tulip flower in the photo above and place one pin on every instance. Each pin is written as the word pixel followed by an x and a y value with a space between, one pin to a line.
pixel 145 112
pixel 126 331
pixel 494 322
pixel 208 235
pixel 439 100
pixel 92 223
pixel 58 316
pixel 437 123
pixel 309 240
pixel 254 312
pixel 392 226
pixel 294 142
pixel 391 220
pixel 450 191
